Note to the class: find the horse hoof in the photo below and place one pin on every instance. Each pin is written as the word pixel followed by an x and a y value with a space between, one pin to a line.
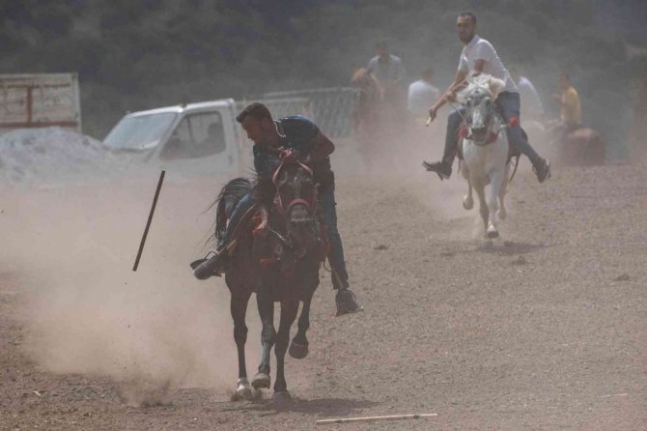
pixel 298 351
pixel 261 381
pixel 492 233
pixel 281 397
pixel 243 391
pixel 468 203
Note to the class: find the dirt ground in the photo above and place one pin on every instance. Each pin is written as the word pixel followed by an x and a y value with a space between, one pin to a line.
pixel 543 329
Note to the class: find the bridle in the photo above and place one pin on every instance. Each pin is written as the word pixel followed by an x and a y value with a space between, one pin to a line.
pixel 490 135
pixel 297 201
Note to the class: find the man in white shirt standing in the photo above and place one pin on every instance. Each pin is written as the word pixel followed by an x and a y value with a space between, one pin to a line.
pixel 388 72
pixel 422 94
pixel 530 101
pixel 387 69
pixel 479 56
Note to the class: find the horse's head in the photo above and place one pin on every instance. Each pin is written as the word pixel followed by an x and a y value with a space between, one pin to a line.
pixel 478 99
pixel 360 78
pixel 296 196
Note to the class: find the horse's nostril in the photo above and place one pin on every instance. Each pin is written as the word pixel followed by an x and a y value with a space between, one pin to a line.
pixel 300 222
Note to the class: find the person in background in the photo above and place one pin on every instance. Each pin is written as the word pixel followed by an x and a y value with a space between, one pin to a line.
pixel 388 72
pixel 531 105
pixel 570 118
pixel 422 94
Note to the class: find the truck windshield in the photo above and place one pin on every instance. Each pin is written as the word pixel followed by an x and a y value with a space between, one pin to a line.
pixel 140 132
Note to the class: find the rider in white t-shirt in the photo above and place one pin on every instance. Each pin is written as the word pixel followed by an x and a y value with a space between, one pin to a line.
pixel 479 56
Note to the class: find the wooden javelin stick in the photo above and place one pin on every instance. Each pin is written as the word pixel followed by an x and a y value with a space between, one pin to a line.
pixel 375 418
pixel 150 219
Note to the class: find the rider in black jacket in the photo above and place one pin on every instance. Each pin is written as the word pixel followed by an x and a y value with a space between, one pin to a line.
pixel 288 137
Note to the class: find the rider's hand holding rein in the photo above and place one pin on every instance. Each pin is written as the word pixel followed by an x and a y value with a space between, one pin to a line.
pixel 287 155
pixel 449 96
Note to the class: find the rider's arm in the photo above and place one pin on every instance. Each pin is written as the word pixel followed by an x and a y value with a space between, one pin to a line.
pixel 321 147
pixel 459 80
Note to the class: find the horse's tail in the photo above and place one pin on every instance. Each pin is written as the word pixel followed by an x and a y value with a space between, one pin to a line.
pixel 227 200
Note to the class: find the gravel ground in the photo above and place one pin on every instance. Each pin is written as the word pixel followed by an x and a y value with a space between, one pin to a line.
pixel 543 329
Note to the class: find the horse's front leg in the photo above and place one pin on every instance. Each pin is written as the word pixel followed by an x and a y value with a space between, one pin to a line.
pixel 289 310
pixel 238 306
pixel 299 345
pixel 496 182
pixel 268 335
pixel 483 206
pixel 468 200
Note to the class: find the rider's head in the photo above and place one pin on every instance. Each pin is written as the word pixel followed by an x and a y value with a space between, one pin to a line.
pixel 564 80
pixel 382 49
pixel 257 122
pixel 466 26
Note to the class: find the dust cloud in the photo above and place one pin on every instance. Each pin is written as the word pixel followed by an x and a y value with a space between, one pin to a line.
pixel 85 310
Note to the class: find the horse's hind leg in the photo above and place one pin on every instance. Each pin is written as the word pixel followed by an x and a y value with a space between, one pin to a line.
pixel 289 310
pixel 268 336
pixel 238 306
pixel 503 211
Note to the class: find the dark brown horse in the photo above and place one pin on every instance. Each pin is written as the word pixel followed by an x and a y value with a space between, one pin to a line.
pixel 583 146
pixel 279 260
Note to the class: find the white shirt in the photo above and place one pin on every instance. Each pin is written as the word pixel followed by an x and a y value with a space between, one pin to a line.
pixel 387 71
pixel 422 95
pixel 481 49
pixel 530 101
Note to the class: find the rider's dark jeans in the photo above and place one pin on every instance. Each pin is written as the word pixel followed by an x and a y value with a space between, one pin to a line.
pixel 509 104
pixel 241 208
pixel 336 253
pixel 329 216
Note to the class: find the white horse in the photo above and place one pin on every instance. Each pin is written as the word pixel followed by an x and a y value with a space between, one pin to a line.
pixel 485 150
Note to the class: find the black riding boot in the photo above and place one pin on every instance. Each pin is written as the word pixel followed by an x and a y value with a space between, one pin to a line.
pixel 444 167
pixel 205 268
pixel 347 302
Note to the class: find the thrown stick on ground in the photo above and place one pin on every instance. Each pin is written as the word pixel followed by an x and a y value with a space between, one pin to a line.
pixel 375 418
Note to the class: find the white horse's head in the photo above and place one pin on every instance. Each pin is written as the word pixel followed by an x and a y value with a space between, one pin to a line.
pixel 478 99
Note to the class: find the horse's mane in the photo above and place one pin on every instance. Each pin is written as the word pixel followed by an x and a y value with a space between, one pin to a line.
pixel 483 81
pixel 226 201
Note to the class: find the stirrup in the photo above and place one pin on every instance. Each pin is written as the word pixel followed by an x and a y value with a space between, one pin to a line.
pixel 207 267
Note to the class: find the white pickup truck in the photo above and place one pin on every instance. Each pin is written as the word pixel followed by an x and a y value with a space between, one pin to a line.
pixel 204 138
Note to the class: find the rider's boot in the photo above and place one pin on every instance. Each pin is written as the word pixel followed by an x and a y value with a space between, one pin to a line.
pixel 346 301
pixel 444 167
pixel 541 167
pixel 214 266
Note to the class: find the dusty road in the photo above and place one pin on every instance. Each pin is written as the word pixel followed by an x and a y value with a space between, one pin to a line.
pixel 544 329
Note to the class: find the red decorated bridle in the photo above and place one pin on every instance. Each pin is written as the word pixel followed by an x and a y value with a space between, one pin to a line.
pixel 296 201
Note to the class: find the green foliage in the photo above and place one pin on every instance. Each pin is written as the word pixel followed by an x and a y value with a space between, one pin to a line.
pixel 142 54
